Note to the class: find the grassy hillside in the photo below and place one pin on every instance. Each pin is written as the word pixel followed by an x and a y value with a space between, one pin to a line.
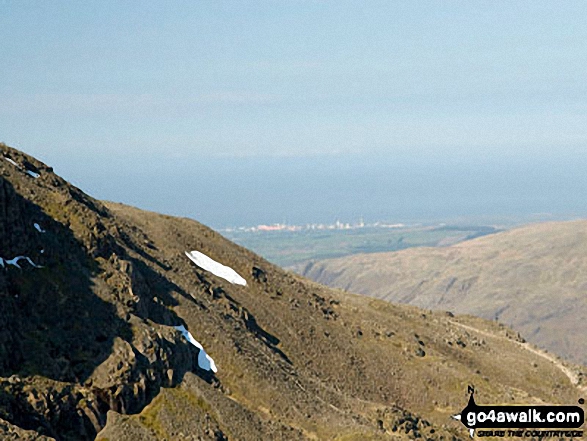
pixel 533 279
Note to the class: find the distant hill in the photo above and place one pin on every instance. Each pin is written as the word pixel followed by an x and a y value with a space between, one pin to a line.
pixel 105 320
pixel 532 278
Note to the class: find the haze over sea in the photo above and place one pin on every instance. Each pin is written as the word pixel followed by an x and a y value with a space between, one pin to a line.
pixel 241 113
pixel 223 192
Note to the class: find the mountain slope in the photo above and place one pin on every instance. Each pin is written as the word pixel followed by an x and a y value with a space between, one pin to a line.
pixel 531 278
pixel 89 348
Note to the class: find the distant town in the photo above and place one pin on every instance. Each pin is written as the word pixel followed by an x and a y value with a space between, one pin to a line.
pixel 338 225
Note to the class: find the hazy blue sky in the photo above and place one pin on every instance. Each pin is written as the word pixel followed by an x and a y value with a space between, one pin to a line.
pixel 112 86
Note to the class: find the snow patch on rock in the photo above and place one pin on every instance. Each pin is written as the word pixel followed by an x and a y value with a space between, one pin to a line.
pixel 12 162
pixel 216 268
pixel 17 165
pixel 204 360
pixel 14 262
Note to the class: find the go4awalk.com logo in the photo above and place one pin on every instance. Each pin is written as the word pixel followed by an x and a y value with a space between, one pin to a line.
pixel 521 420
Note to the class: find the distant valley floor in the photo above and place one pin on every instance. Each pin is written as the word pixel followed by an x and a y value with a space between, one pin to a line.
pixel 293 249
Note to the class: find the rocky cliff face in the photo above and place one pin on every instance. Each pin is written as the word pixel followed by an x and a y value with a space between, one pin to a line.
pixel 80 333
pixel 91 294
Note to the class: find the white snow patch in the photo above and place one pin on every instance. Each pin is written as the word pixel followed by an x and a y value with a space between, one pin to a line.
pixel 38 228
pixel 12 162
pixel 14 262
pixel 216 268
pixel 17 165
pixel 2 262
pixel 204 360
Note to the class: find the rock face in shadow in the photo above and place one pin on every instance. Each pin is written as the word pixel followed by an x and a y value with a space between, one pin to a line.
pixel 82 318
pixel 88 348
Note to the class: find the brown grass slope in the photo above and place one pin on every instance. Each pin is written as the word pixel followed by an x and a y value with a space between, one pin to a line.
pixel 88 349
pixel 532 278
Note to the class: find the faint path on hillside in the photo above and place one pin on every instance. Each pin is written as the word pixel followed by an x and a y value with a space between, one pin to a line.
pixel 572 376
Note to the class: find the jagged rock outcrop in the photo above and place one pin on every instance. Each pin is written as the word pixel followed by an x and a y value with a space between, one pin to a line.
pixel 82 320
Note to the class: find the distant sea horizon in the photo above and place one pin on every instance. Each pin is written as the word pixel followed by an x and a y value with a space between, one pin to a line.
pixel 235 192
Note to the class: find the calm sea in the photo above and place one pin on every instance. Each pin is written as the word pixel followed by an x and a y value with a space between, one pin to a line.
pixel 250 191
